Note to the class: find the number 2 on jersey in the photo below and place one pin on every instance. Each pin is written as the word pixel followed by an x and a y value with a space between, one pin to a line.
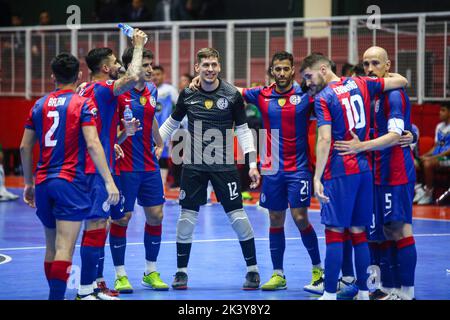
pixel 355 119
pixel 48 136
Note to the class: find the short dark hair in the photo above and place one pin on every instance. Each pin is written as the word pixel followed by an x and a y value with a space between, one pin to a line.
pixel 96 57
pixel 189 76
pixel 313 59
pixel 283 55
pixel 127 56
pixel 333 66
pixel 358 70
pixel 65 68
pixel 207 53
pixel 346 67
pixel 158 67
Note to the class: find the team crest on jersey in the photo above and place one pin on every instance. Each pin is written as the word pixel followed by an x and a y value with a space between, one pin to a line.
pixel 282 102
pixel 295 100
pixel 263 197
pixel 182 195
pixel 153 101
pixel 222 103
pixel 209 104
pixel 377 106
pixel 109 82
pixel 143 100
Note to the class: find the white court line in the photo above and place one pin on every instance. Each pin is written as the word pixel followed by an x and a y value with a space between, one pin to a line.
pixel 217 240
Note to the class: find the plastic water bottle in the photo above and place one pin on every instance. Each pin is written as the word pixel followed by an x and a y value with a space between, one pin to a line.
pixel 128 116
pixel 128 30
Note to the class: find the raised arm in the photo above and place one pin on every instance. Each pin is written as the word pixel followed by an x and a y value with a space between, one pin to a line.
pixel 134 72
pixel 394 81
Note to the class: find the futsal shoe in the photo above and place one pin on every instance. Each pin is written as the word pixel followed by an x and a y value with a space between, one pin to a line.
pixel 123 285
pixel 180 281
pixel 276 282
pixel 252 281
pixel 317 282
pixel 153 281
pixel 104 289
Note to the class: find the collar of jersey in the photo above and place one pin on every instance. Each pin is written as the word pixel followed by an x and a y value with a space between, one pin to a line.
pixel 210 92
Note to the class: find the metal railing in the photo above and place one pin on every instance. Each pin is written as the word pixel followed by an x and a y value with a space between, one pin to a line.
pixel 416 43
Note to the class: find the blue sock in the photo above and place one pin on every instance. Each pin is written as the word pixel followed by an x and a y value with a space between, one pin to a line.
pixel 152 241
pixel 395 266
pixel 91 245
pixel 277 246
pixel 101 262
pixel 347 262
pixel 375 253
pixel 386 267
pixel 118 243
pixel 362 259
pixel 333 259
pixel 58 279
pixel 309 239
pixel 407 260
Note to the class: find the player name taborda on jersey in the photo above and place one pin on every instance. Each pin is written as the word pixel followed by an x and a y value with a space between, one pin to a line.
pixel 212 116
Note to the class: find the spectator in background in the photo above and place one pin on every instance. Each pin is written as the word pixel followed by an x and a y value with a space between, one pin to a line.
pixel 438 156
pixel 137 11
pixel 347 70
pixel 184 81
pixel 357 71
pixel 167 99
pixel 5 195
pixel 44 18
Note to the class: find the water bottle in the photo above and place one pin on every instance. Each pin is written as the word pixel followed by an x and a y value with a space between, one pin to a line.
pixel 128 116
pixel 128 30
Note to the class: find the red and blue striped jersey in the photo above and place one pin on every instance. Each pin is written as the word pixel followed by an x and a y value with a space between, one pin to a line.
pixel 139 149
pixel 345 105
pixel 289 113
pixel 102 94
pixel 394 165
pixel 57 119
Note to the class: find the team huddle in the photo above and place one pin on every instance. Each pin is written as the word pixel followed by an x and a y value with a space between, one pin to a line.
pixel 95 161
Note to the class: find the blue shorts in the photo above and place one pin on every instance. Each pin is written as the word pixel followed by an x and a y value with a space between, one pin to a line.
pixel 286 188
pixel 351 201
pixel 99 195
pixel 146 187
pixel 59 199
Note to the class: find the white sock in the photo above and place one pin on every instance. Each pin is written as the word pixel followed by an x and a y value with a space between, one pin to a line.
pixel 150 266
pixel 318 266
pixel 182 270
pixel 99 280
pixel 328 296
pixel 348 279
pixel 253 268
pixel 387 290
pixel 85 290
pixel 120 271
pixel 2 179
pixel 363 295
pixel 407 293
pixel 279 272
pixel 94 285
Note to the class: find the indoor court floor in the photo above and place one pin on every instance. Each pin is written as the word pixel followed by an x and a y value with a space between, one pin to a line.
pixel 216 267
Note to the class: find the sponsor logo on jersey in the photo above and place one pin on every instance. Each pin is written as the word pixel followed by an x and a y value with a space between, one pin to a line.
pixel 109 82
pixel 222 103
pixel 377 106
pixel 209 104
pixel 295 99
pixel 143 100
pixel 282 102
pixel 263 197
pixel 182 195
pixel 94 112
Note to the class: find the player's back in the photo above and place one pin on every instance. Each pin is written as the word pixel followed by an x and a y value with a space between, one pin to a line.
pixel 345 105
pixel 394 165
pixel 102 95
pixel 57 120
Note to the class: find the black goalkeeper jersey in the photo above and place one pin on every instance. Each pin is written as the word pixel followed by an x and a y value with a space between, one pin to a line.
pixel 212 117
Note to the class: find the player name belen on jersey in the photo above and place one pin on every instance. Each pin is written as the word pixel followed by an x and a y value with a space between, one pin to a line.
pixel 56 102
pixel 350 85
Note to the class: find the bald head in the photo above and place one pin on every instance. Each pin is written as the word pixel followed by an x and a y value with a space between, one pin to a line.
pixel 376 62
